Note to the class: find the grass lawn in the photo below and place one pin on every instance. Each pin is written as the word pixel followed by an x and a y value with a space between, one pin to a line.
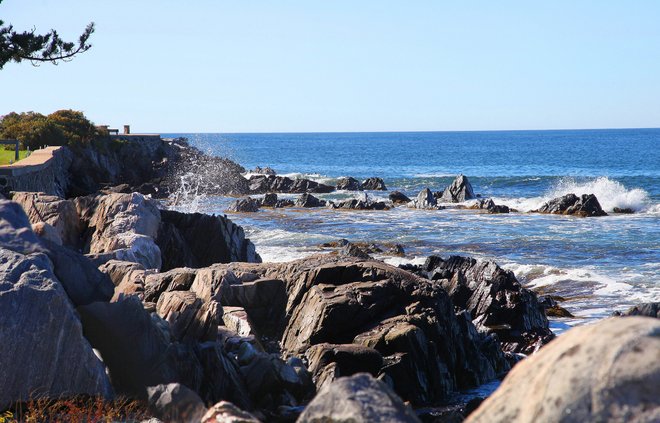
pixel 7 155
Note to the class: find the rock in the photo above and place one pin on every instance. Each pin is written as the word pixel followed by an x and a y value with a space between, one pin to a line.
pixel 585 206
pixel 226 412
pixel 374 184
pixel 646 309
pixel 495 299
pixel 261 184
pixel 490 206
pixel 459 191
pixel 175 403
pixel 359 398
pixel 42 349
pixel 349 358
pixel 244 205
pixel 552 307
pixel 46 231
pixel 397 197
pixel 269 200
pixel 605 372
pixel 396 250
pixel 237 320
pixel 626 210
pixel 308 200
pixel 180 279
pixel 117 269
pixel 54 211
pixel 189 319
pixel 352 250
pixel 358 204
pixel 425 200
pixel 349 184
pixel 122 224
pixel 198 240
pixel 263 170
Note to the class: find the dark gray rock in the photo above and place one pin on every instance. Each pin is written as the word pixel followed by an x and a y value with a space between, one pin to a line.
pixel 624 210
pixel 425 200
pixel 261 184
pixel 570 204
pixel 352 250
pixel 263 171
pixel 397 197
pixel 308 201
pixel 175 403
pixel 360 204
pixel 349 358
pixel 244 205
pixel 360 399
pixel 349 184
pixel 459 191
pixel 490 206
pixel 646 309
pixel 374 184
pixel 269 200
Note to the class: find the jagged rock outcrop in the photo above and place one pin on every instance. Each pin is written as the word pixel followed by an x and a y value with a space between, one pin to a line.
pixel 570 204
pixel 309 201
pixel 261 184
pixel 349 184
pixel 59 213
pixel 244 205
pixel 360 204
pixel 605 372
pixel 359 398
pixel 397 197
pixel 198 240
pixel 42 349
pixel 425 200
pixel 495 299
pixel 459 191
pixel 490 206
pixel 374 184
pixel 263 170
pixel 271 200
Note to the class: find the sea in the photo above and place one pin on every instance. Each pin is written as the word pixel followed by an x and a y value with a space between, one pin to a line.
pixel 596 265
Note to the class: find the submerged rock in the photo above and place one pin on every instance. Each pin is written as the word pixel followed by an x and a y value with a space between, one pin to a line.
pixel 490 206
pixel 374 184
pixel 605 372
pixel 397 197
pixel 360 398
pixel 244 205
pixel 349 184
pixel 459 191
pixel 570 204
pixel 625 210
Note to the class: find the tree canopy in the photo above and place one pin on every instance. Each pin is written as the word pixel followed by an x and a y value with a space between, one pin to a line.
pixel 27 45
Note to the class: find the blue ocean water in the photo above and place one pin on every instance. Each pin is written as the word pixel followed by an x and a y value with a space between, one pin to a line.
pixel 598 264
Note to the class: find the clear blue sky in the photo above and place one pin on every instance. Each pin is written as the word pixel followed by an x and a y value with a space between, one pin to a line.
pixel 260 66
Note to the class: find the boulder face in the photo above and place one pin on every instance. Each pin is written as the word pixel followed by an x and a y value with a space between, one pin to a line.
pixel 60 214
pixel 198 240
pixel 424 200
pixel 261 184
pixel 374 184
pixel 42 349
pixel 570 204
pixel 359 398
pixel 605 372
pixel 349 184
pixel 459 191
pixel 397 197
pixel 495 299
pixel 175 403
pixel 490 206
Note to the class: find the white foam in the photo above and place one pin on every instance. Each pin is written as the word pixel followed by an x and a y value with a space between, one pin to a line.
pixel 538 275
pixel 396 261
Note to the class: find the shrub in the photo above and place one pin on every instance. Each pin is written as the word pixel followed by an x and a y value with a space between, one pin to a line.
pixel 77 129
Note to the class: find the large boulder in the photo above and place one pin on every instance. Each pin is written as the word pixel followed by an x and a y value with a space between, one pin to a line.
pixel 43 352
pixel 459 191
pixel 349 184
pixel 495 299
pixel 261 184
pixel 397 197
pixel 605 372
pixel 124 225
pixel 175 403
pixel 374 184
pixel 570 204
pixel 360 399
pixel 425 200
pixel 59 213
pixel 198 240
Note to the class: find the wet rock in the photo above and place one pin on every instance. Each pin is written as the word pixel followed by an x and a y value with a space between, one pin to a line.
pixel 585 206
pixel 261 184
pixel 459 191
pixel 42 349
pixel 226 412
pixel 175 403
pixel 359 398
pixel 495 299
pixel 490 206
pixel 625 210
pixel 552 307
pixel 244 205
pixel 360 204
pixel 374 184
pixel 352 250
pixel 605 372
pixel 425 200
pixel 263 170
pixel 198 240
pixel 349 184
pixel 646 309
pixel 308 200
pixel 397 197
pixel 396 250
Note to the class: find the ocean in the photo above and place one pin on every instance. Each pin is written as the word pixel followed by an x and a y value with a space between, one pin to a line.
pixel 599 265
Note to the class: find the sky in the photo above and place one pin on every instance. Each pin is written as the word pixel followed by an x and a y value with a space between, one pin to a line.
pixel 313 66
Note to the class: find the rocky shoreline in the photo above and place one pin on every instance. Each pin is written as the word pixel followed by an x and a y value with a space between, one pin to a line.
pixel 106 293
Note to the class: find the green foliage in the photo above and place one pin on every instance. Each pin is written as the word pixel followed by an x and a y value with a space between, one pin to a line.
pixel 34 130
pixel 9 156
pixel 49 47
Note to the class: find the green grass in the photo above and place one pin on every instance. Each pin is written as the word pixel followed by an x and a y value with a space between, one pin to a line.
pixel 7 155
